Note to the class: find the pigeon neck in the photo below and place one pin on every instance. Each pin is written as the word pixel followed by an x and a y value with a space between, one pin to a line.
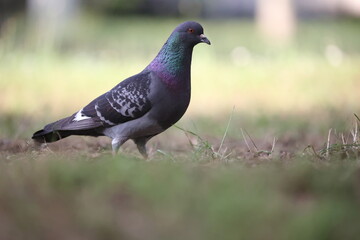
pixel 173 62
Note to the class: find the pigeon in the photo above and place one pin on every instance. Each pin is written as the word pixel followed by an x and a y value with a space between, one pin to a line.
pixel 141 106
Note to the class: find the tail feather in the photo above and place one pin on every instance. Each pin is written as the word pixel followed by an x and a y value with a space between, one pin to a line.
pixel 43 136
pixel 66 127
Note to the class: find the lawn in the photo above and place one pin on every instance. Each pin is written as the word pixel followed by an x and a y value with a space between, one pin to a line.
pixel 269 147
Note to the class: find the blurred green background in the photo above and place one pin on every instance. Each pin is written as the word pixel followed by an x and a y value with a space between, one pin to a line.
pixel 284 164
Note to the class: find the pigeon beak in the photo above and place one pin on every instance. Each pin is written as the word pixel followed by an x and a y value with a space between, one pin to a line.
pixel 204 39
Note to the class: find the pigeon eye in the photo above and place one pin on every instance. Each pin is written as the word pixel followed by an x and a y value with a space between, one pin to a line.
pixel 190 30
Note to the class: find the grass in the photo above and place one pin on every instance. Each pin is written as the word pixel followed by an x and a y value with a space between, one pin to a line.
pixel 61 196
pixel 76 189
pixel 268 169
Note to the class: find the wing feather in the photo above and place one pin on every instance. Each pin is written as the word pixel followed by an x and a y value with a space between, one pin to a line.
pixel 126 101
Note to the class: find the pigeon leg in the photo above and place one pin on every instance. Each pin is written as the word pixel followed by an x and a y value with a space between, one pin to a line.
pixel 140 143
pixel 116 143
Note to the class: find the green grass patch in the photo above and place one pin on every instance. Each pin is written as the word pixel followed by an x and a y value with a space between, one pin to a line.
pixel 66 196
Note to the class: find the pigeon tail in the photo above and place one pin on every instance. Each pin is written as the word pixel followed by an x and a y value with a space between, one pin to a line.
pixel 62 129
pixel 43 136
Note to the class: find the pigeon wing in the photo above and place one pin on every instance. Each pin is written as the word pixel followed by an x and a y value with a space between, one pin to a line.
pixel 126 101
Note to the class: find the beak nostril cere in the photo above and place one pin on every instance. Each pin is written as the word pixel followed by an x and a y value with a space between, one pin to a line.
pixel 204 39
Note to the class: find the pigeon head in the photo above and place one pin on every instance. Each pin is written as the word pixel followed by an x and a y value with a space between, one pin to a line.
pixel 190 33
pixel 173 62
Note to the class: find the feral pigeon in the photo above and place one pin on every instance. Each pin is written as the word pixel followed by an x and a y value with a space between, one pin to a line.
pixel 141 106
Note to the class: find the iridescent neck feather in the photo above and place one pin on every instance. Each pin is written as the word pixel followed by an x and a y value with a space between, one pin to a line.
pixel 173 62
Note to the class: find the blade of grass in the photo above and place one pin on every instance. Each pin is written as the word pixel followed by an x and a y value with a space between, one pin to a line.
pixel 357 117
pixel 252 141
pixel 247 144
pixel 273 145
pixel 328 143
pixel 226 130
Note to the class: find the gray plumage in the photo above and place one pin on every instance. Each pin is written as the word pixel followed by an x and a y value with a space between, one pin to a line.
pixel 141 106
